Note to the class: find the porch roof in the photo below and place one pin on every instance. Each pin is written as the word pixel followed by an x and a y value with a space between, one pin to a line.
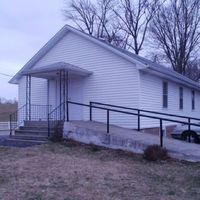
pixel 51 71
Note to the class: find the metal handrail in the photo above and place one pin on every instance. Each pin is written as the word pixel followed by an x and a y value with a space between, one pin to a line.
pixel 15 121
pixel 147 111
pixel 55 117
pixel 130 113
pixel 161 119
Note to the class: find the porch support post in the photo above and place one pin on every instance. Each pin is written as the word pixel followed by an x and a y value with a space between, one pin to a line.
pixel 48 106
pixel 60 94
pixel 28 97
pixel 67 95
pixel 64 95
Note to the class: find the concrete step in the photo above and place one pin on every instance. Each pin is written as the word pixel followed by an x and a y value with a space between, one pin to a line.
pixel 38 124
pixel 30 137
pixel 33 128
pixel 32 132
pixel 13 142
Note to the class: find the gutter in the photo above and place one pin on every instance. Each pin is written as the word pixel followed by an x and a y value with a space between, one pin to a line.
pixel 185 81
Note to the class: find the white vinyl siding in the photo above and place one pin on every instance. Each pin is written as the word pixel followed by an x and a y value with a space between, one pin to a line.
pixel 52 93
pixel 38 97
pixel 114 80
pixel 151 99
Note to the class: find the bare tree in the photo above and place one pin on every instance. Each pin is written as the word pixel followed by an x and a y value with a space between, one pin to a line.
pixel 193 70
pixel 176 29
pixel 96 19
pixel 134 17
pixel 83 14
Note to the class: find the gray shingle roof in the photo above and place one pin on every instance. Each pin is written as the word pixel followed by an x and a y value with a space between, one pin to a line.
pixel 147 64
pixel 156 66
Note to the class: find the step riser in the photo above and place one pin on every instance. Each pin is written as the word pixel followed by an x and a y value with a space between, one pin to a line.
pixel 33 128
pixel 22 143
pixel 31 133
pixel 31 138
pixel 42 129
pixel 39 124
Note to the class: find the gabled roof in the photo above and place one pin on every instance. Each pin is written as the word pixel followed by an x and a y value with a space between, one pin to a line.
pixel 142 63
pixel 55 39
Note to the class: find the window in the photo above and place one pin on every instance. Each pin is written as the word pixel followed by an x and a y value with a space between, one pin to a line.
pixel 180 98
pixel 165 94
pixel 193 99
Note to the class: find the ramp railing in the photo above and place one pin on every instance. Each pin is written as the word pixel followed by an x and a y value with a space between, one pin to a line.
pixel 117 109
pixel 143 111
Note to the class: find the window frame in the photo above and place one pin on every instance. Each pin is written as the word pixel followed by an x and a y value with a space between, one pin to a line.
pixel 193 99
pixel 165 89
pixel 181 98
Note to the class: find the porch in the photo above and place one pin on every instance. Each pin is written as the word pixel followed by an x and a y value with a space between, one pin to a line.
pixel 61 80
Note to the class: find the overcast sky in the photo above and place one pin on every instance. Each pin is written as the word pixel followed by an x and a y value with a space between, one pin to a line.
pixel 25 26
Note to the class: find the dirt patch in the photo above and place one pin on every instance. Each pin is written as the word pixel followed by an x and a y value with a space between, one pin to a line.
pixel 71 171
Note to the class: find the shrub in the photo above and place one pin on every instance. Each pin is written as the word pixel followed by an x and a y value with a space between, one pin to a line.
pixel 57 135
pixel 94 148
pixel 155 152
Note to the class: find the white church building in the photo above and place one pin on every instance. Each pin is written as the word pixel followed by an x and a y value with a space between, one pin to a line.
pixel 77 67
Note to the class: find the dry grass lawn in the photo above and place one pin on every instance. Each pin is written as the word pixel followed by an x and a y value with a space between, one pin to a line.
pixel 6 109
pixel 70 171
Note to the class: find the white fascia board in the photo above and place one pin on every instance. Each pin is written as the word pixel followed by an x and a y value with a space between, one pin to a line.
pixel 173 79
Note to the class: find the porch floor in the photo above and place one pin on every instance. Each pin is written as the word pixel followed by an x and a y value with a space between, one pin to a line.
pixel 131 140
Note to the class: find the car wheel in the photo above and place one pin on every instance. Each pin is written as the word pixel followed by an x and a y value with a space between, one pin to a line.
pixel 190 136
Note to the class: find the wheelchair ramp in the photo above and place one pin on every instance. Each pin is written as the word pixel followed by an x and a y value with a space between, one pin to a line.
pixel 91 132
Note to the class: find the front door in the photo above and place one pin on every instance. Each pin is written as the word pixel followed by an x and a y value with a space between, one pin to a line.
pixel 75 95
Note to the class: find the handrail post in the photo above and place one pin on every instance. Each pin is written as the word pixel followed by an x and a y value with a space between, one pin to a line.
pixel 189 127
pixel 90 111
pixel 48 122
pixel 138 120
pixel 108 120
pixel 10 125
pixel 161 133
pixel 67 110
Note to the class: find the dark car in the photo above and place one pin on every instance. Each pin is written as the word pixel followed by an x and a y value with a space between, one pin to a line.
pixel 181 132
